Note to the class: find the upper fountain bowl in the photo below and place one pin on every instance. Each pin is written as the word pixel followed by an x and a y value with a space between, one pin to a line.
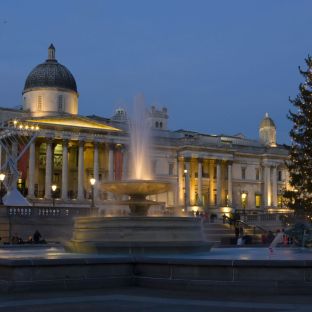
pixel 137 187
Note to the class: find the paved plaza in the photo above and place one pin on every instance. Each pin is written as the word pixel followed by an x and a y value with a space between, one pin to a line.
pixel 139 299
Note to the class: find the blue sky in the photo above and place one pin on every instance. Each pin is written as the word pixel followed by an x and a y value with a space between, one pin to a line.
pixel 217 66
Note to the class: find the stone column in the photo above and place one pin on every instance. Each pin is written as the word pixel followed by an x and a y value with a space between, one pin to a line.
pixel 65 170
pixel 218 183
pixel 274 186
pixel 124 163
pixel 180 182
pixel 267 186
pixel 211 183
pixel 48 171
pixel 200 181
pixel 110 196
pixel 0 156
pixel 96 169
pixel 187 181
pixel 80 194
pixel 230 189
pixel 111 162
pixel 31 170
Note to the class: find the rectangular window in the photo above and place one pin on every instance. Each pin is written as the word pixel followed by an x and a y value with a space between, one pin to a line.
pixel 257 174
pixel 171 167
pixel 243 173
pixel 280 201
pixel 279 176
pixel 60 103
pixel 258 200
pixel 39 103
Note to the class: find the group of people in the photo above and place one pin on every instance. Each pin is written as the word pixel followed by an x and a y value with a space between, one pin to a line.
pixel 36 238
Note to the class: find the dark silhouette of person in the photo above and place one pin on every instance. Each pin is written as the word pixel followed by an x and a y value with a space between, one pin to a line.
pixel 236 231
pixel 37 237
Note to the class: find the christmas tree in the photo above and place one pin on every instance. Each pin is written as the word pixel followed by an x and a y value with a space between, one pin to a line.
pixel 300 151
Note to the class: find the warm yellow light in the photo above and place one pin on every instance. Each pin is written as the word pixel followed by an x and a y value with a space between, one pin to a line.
pixel 53 187
pixel 195 208
pixel 75 122
pixel 21 126
pixel 226 210
pixel 26 127
pixel 92 181
pixel 37 127
pixel 244 196
pixel 15 122
pixel 32 127
pixel 185 171
pixel 2 177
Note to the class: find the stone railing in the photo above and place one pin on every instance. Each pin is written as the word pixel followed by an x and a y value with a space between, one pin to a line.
pixel 265 218
pixel 37 211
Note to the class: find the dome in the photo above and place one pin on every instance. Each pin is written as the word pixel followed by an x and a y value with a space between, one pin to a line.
pixel 50 74
pixel 267 122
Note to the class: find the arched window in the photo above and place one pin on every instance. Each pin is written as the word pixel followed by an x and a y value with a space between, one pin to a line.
pixel 156 124
pixel 160 124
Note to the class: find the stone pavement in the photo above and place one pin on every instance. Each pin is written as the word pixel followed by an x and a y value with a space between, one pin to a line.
pixel 151 300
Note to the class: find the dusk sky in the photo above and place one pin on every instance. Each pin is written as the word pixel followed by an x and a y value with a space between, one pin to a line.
pixel 217 66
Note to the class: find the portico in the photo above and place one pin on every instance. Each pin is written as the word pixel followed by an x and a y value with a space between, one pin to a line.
pixel 69 158
pixel 210 181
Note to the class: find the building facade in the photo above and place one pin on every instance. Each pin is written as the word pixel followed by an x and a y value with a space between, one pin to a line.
pixel 208 172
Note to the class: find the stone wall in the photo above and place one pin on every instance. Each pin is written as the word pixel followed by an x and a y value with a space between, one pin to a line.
pixel 261 277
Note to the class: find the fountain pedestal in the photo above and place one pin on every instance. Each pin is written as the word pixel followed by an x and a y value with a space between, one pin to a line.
pixel 137 235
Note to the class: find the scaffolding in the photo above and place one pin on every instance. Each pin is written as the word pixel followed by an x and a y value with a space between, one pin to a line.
pixel 15 140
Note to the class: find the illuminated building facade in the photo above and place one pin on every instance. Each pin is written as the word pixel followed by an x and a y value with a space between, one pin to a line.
pixel 207 171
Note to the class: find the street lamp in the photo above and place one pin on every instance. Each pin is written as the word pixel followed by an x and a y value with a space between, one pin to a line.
pixel 92 182
pixel 244 199
pixel 53 187
pixel 185 190
pixel 2 177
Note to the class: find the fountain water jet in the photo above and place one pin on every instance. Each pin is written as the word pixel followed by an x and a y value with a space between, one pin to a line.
pixel 138 233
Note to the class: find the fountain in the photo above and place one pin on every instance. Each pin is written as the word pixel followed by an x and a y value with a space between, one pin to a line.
pixel 138 233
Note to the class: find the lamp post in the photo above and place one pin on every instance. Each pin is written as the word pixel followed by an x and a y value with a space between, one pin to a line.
pixel 92 182
pixel 244 198
pixel 185 193
pixel 53 187
pixel 2 177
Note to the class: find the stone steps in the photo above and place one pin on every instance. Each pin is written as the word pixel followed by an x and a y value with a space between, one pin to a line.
pixel 223 234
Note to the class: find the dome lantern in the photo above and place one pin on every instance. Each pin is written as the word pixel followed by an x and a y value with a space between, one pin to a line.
pixel 267 131
pixel 51 53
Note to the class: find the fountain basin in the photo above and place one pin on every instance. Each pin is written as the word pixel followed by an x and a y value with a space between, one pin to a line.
pixel 137 235
pixel 137 190
pixel 136 187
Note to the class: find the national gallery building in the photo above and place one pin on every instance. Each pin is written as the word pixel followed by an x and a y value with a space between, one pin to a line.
pixel 65 149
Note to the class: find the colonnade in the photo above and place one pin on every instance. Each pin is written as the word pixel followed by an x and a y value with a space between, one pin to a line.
pixel 65 168
pixel 186 177
pixel 219 183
